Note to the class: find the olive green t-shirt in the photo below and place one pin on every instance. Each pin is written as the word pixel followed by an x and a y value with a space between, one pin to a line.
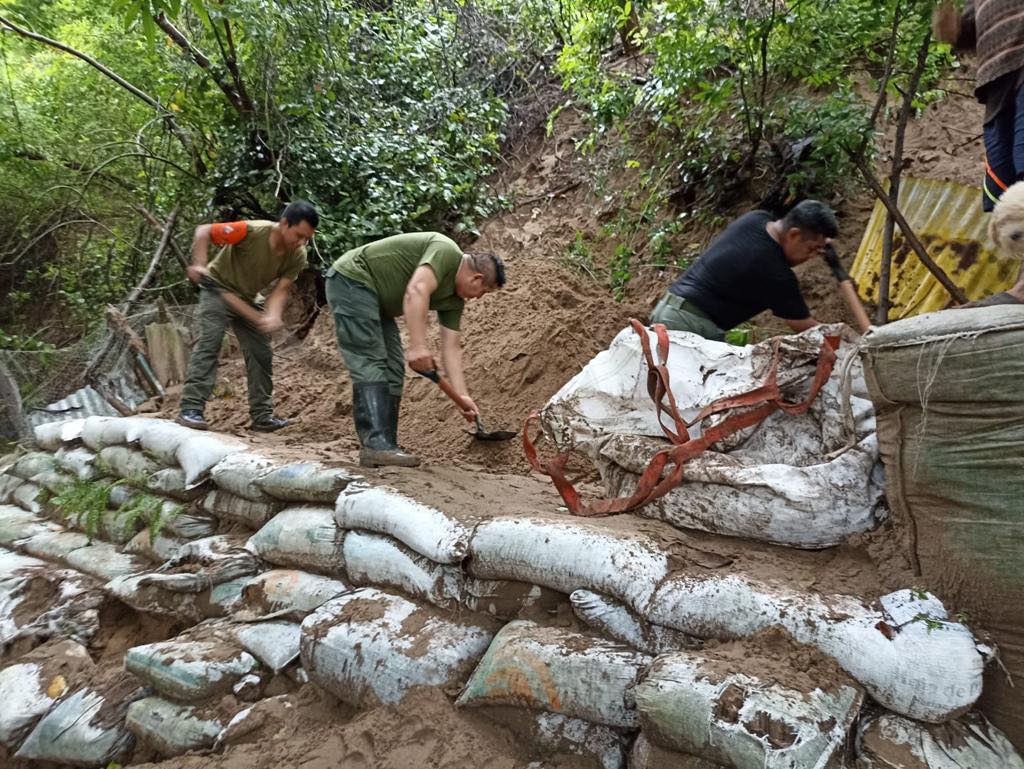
pixel 248 264
pixel 387 265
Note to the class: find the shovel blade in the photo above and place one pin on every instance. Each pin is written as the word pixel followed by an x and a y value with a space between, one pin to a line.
pixel 495 435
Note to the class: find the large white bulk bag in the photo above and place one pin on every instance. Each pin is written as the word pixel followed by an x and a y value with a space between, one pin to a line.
pixel 303 537
pixel 558 671
pixel 369 647
pixel 440 536
pixel 567 554
pixel 689 703
pixel 803 481
pixel 906 651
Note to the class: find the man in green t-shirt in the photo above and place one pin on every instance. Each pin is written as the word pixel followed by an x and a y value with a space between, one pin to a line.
pixel 370 286
pixel 254 254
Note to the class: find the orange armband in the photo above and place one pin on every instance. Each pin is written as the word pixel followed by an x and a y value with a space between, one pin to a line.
pixel 228 233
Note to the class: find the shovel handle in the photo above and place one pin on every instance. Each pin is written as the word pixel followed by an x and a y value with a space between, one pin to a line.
pixel 856 308
pixel 445 386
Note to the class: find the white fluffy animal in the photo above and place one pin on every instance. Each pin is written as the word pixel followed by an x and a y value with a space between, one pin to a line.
pixel 1006 224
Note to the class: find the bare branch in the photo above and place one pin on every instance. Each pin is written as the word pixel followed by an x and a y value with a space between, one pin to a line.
pixel 136 292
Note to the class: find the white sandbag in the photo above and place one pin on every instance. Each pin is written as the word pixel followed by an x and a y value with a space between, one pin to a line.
pixel 238 474
pixel 103 561
pixel 55 544
pixel 371 559
pixel 80 462
pixel 92 432
pixel 160 439
pixel 82 730
pixel 151 599
pixel 688 703
pixel 369 647
pixel 31 464
pixel 170 728
pixel 306 482
pixel 536 550
pixel 126 462
pixel 198 453
pixel 906 652
pixel 17 525
pixel 159 548
pixel 796 480
pixel 304 537
pixel 189 671
pixel 506 600
pixel 646 755
pixel 30 497
pixel 285 593
pixel 170 482
pixel 558 671
pixel 52 435
pixel 888 741
pixel 241 510
pixel 275 644
pixel 8 484
pixel 430 532
pixel 23 701
pixel 118 431
pixel 54 481
pixel 617 621
pixel 120 493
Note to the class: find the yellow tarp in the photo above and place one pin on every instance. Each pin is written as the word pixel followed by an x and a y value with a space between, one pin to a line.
pixel 948 219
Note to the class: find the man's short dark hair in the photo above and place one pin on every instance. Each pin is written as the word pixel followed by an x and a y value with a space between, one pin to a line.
pixel 490 266
pixel 812 217
pixel 301 211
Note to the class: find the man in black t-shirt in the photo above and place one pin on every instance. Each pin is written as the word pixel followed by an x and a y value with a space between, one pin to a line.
pixel 748 269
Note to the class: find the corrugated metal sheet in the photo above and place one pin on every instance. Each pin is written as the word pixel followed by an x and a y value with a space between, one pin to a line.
pixel 948 219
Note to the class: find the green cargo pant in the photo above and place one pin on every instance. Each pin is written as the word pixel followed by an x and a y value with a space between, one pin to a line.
pixel 670 312
pixel 369 342
pixel 214 317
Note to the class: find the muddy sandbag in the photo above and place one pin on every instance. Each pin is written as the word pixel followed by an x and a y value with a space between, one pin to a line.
pixel 306 482
pixel 507 600
pixel 52 435
pixel 111 526
pixel 33 463
pixel 84 729
pixel 558 671
pixel 198 453
pixel 906 651
pixel 190 671
pixel 170 728
pixel 160 548
pixel 536 550
pixel 617 621
pixel 31 687
pixel 28 496
pixel 249 513
pixel 54 481
pixel 8 484
pixel 946 386
pixel 55 545
pixel 372 559
pixel 103 561
pixel 888 741
pixel 646 755
pixel 79 462
pixel 285 594
pixel 17 525
pixel 170 482
pixel 238 474
pixel 189 523
pixel 690 704
pixel 152 599
pixel 223 599
pixel 275 644
pixel 304 537
pixel 368 647
pixel 199 565
pixel 440 537
pixel 126 462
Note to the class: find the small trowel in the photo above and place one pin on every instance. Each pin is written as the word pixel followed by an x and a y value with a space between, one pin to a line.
pixel 481 434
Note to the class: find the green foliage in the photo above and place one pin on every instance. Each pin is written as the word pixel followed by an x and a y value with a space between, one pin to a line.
pixel 580 257
pixel 84 503
pixel 148 509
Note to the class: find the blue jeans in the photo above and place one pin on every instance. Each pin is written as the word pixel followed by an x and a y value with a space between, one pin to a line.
pixel 1004 150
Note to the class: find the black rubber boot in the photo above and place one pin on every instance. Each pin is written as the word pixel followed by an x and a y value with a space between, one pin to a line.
pixel 394 404
pixel 371 407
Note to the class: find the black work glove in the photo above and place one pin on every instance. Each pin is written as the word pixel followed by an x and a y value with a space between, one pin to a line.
pixel 832 260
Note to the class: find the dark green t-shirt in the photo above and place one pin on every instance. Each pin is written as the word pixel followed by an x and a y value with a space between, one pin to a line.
pixel 247 264
pixel 387 265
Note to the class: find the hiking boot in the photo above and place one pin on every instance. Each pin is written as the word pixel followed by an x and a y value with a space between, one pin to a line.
pixel 192 418
pixel 372 410
pixel 270 424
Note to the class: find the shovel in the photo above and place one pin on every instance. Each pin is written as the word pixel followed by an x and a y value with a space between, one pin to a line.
pixel 481 434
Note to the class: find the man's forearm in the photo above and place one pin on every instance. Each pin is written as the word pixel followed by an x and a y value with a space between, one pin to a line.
pixel 201 246
pixel 451 356
pixel 415 307
pixel 241 307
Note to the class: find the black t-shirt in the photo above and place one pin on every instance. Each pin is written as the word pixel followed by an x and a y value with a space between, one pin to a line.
pixel 743 272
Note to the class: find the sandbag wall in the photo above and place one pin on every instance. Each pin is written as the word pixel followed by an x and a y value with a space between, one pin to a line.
pixel 366 592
